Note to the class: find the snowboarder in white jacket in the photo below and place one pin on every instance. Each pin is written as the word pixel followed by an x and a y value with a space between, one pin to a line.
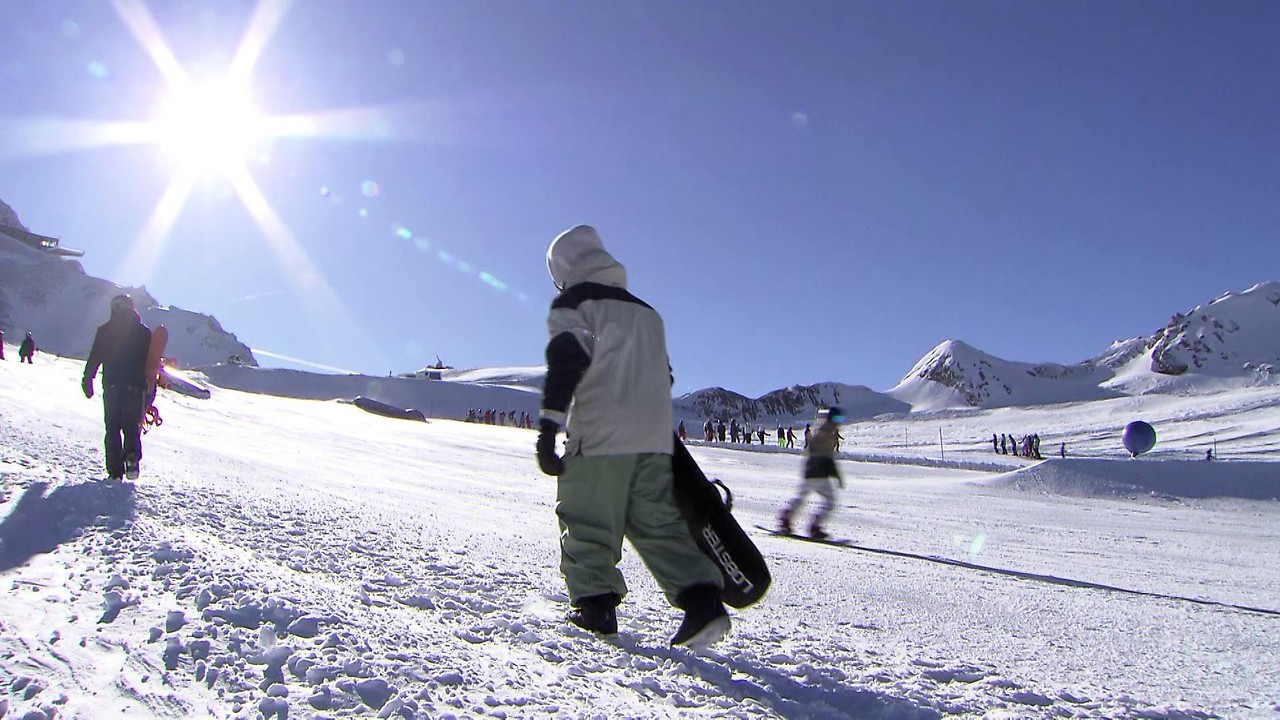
pixel 607 358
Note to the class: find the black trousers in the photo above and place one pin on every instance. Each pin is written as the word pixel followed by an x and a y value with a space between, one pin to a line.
pixel 122 412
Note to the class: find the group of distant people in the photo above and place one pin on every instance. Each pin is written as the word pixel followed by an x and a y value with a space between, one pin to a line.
pixel 26 350
pixel 500 417
pixel 717 431
pixel 1028 446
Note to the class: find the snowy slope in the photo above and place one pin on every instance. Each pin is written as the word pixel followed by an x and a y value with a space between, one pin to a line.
pixel 300 558
pixel 61 306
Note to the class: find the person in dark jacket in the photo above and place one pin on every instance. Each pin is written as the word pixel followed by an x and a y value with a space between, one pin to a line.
pixel 27 349
pixel 120 348
pixel 608 383
pixel 1 343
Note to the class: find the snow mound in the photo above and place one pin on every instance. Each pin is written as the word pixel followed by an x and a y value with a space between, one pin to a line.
pixel 432 398
pixel 1094 477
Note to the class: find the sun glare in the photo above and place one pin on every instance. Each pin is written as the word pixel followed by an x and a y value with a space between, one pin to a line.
pixel 209 129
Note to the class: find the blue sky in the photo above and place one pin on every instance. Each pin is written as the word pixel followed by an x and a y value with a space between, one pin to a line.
pixel 806 191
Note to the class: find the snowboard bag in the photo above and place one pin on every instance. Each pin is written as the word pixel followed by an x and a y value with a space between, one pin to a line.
pixel 710 519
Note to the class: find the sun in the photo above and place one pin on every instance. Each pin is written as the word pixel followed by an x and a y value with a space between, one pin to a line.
pixel 209 128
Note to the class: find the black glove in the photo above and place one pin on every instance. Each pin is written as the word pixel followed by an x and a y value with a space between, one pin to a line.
pixel 87 385
pixel 549 462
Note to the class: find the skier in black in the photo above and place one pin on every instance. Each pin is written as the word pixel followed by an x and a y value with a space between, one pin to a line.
pixel 120 347
pixel 27 349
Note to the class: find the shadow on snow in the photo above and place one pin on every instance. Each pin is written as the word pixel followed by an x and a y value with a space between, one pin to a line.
pixel 39 523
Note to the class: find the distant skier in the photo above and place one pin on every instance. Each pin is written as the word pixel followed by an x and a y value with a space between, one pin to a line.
pixel 120 347
pixel 791 438
pixel 808 430
pixel 1 343
pixel 1004 444
pixel 734 431
pixel 708 430
pixel 782 437
pixel 995 444
pixel 681 432
pixel 607 357
pixel 27 349
pixel 1062 450
pixel 720 430
pixel 760 433
pixel 819 470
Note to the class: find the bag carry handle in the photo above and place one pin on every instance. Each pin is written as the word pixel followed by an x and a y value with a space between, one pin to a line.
pixel 728 494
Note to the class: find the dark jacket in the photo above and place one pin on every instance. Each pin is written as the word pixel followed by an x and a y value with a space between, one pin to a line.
pixel 120 347
pixel 28 346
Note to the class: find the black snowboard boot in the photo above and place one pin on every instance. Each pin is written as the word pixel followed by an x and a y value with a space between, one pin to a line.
pixel 784 523
pixel 705 619
pixel 817 533
pixel 131 467
pixel 596 613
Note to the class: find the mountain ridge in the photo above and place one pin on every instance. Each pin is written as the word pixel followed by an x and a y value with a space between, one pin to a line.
pixel 1230 341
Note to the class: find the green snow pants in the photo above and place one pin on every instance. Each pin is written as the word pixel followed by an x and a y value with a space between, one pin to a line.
pixel 599 500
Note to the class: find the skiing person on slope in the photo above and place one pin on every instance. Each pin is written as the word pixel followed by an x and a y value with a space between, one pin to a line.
pixel 120 347
pixel 27 349
pixel 819 470
pixel 607 356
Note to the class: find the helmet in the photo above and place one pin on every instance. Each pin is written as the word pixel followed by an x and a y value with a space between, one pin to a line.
pixel 121 303
pixel 835 414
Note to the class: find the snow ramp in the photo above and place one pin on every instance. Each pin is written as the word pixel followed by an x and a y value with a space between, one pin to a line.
pixel 1097 477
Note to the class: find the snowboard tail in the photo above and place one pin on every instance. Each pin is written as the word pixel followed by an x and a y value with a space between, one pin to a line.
pixel 719 536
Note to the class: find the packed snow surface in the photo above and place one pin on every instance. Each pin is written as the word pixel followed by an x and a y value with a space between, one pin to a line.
pixel 285 557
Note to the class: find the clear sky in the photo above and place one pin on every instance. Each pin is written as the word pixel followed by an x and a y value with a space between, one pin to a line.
pixel 807 191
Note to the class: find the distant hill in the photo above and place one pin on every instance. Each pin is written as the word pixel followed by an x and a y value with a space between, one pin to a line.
pixel 1230 342
pixel 52 298
pixel 788 406
pixel 9 217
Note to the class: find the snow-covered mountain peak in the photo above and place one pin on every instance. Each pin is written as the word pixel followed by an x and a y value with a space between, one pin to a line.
pixel 1238 333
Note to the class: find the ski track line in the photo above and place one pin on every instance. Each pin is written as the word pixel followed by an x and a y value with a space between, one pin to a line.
pixel 1025 575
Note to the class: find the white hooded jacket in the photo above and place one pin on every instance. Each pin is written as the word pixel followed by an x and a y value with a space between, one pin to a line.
pixel 608 376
